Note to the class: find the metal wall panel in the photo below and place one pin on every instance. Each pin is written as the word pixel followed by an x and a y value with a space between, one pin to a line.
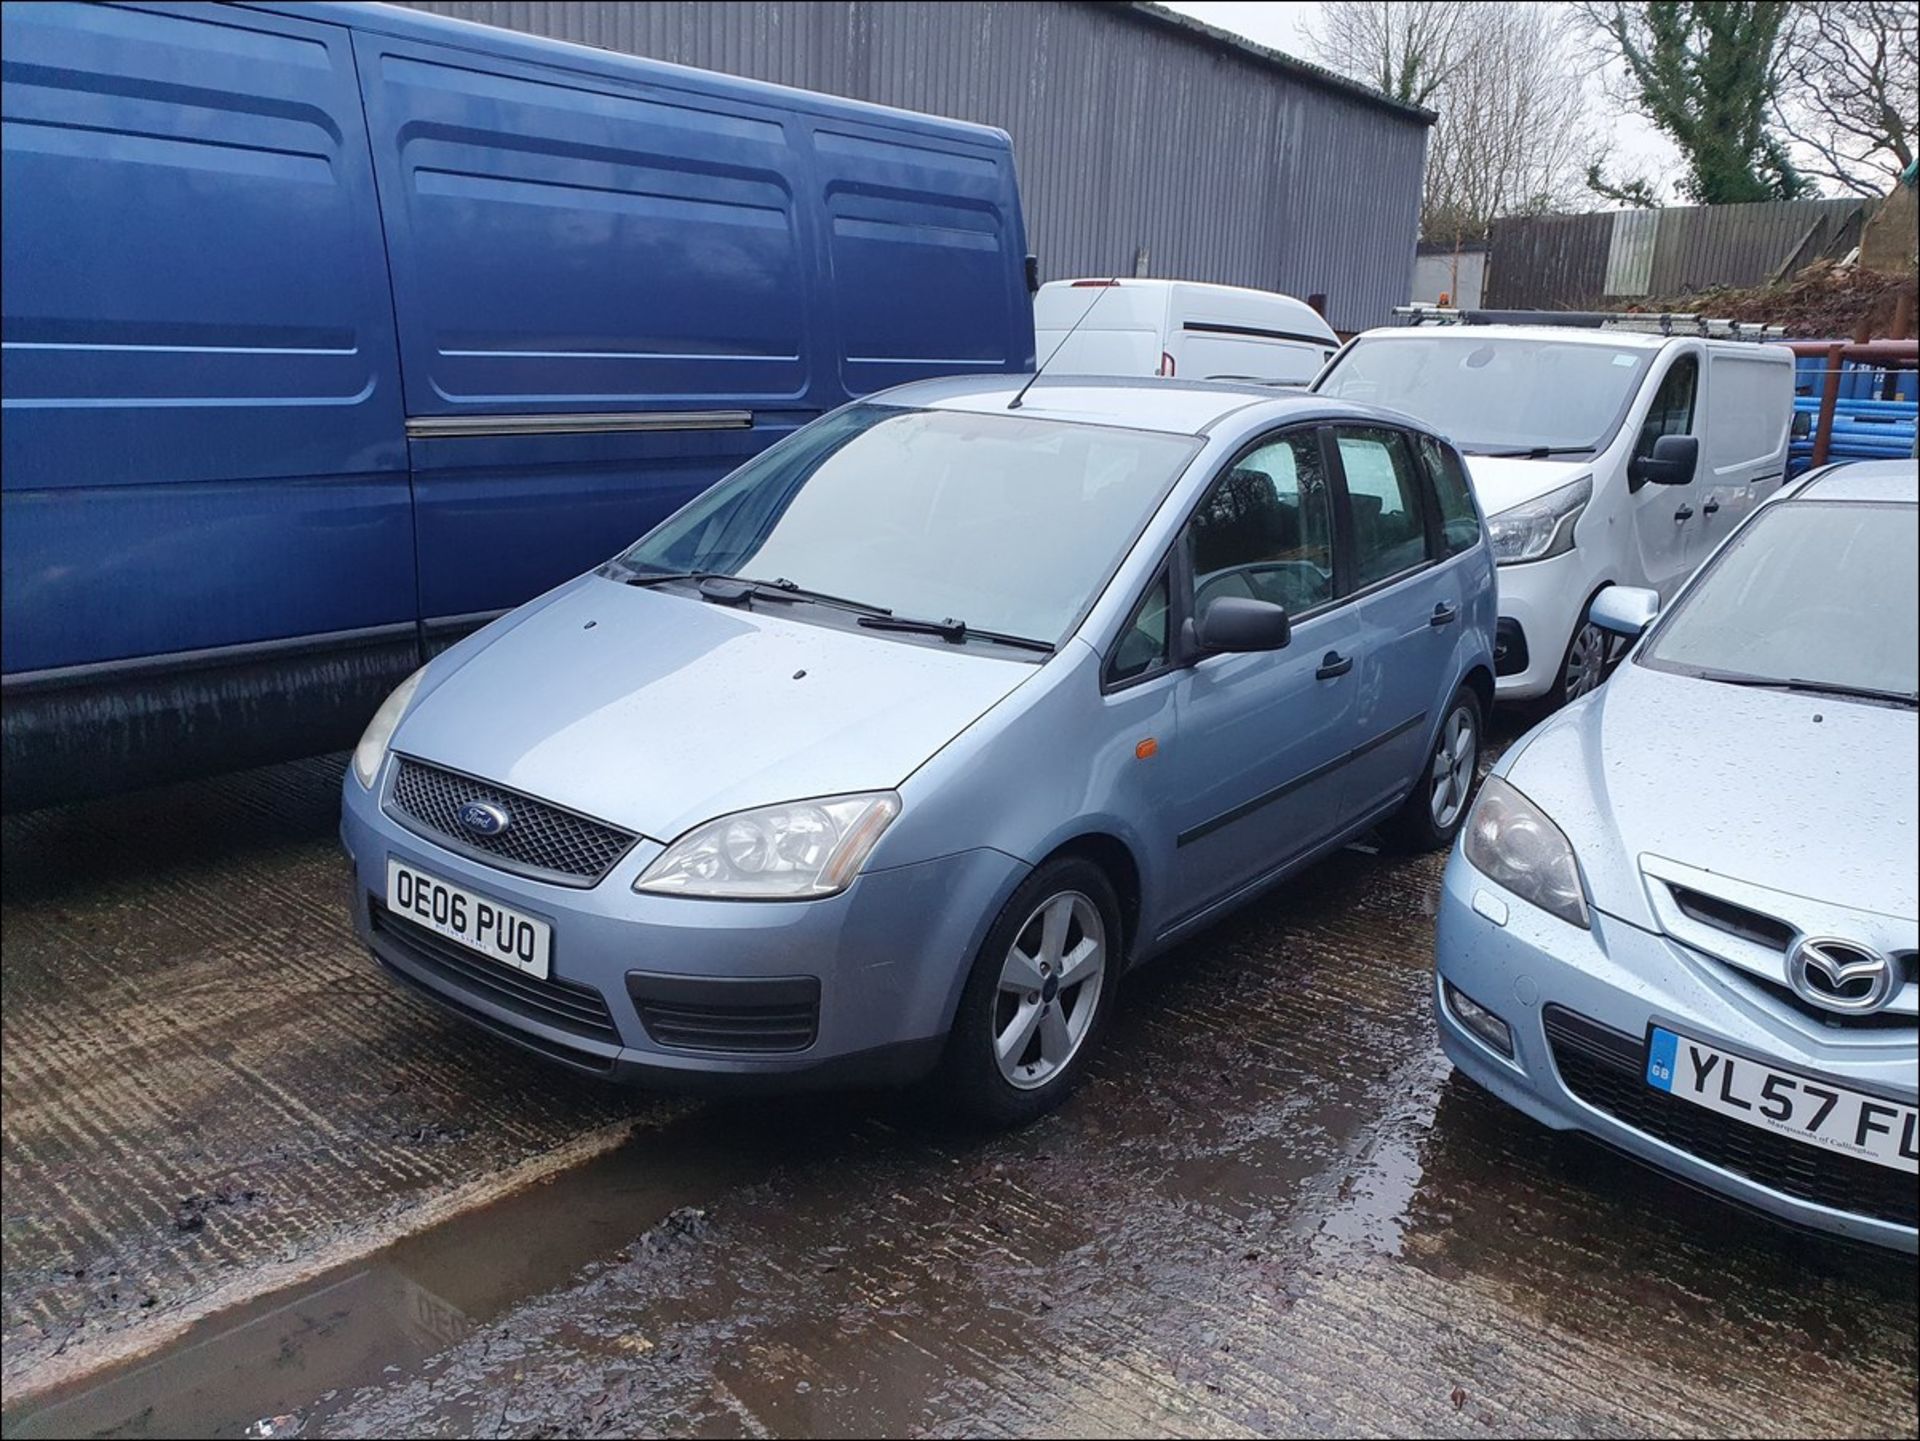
pixel 1134 131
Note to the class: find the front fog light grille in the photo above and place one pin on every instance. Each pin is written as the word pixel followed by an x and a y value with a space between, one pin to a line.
pixel 1488 1028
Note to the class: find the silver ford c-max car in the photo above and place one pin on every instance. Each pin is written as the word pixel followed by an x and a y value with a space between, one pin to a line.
pixel 1682 916
pixel 894 749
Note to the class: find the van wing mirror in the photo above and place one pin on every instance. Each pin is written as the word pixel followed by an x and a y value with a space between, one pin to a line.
pixel 1239 623
pixel 1673 461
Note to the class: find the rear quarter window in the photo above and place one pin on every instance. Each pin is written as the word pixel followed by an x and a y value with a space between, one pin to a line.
pixel 1459 521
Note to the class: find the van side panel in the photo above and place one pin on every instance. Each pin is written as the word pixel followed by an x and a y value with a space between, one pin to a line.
pixel 572 242
pixel 202 410
pixel 925 256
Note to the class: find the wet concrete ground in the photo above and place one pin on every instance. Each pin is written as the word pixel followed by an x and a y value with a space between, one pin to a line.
pixel 1270 1209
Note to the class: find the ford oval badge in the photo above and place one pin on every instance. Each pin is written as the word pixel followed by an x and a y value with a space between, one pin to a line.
pixel 484 818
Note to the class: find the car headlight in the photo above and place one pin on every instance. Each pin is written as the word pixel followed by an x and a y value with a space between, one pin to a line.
pixel 1541 528
pixel 373 744
pixel 1510 840
pixel 801 849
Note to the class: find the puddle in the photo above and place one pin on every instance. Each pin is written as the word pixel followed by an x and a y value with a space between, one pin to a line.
pixel 300 1353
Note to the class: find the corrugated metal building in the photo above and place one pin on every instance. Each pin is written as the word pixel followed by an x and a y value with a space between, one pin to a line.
pixel 1573 262
pixel 1148 143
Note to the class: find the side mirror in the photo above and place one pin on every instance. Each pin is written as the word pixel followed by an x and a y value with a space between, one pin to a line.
pixel 1673 462
pixel 1237 623
pixel 1625 609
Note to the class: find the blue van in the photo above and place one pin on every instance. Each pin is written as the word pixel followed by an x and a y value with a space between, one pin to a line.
pixel 331 332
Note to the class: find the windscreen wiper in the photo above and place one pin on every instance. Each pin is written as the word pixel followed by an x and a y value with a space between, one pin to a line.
pixel 957 632
pixel 1817 687
pixel 740 588
pixel 1535 452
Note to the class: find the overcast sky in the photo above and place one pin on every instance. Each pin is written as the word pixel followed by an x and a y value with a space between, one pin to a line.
pixel 1279 24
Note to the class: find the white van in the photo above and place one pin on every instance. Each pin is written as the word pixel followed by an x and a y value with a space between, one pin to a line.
pixel 1599 457
pixel 1179 327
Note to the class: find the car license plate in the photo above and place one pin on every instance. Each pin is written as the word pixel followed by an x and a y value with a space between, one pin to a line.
pixel 1854 1124
pixel 481 925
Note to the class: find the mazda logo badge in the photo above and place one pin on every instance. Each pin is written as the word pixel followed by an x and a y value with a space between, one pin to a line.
pixel 484 818
pixel 1840 975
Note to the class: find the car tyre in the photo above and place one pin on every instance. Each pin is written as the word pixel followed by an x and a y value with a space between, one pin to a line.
pixel 1036 998
pixel 1433 814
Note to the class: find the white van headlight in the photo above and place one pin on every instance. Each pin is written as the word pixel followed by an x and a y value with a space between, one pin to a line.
pixel 800 849
pixel 1510 840
pixel 1541 528
pixel 373 744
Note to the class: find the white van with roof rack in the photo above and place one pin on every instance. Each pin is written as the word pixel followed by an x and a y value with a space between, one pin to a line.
pixel 1601 455
pixel 1180 328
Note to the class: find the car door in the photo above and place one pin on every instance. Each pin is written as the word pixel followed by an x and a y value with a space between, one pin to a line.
pixel 1666 518
pixel 1253 779
pixel 1407 607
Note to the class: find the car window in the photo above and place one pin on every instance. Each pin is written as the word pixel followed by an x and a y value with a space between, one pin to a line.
pixel 1143 644
pixel 1672 410
pixel 1383 499
pixel 1265 531
pixel 1459 522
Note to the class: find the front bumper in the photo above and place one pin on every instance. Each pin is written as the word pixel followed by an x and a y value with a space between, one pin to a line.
pixel 1578 1004
pixel 853 989
pixel 1541 601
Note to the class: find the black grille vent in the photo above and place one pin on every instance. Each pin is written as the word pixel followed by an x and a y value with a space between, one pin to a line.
pixel 542 839
pixel 1607 1069
pixel 1762 930
pixel 708 1014
pixel 564 1005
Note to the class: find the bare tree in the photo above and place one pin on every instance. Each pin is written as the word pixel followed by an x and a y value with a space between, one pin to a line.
pixel 1851 97
pixel 1400 47
pixel 1511 138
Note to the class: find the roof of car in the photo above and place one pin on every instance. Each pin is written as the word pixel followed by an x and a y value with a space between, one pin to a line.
pixel 1881 480
pixel 1177 407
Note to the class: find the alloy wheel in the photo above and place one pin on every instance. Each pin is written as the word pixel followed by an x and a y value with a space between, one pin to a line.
pixel 1049 989
pixel 1451 776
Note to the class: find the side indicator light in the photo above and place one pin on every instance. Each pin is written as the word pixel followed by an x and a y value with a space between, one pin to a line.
pixel 1147 749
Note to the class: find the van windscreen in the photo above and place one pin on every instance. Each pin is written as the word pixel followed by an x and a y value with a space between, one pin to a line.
pixel 1495 394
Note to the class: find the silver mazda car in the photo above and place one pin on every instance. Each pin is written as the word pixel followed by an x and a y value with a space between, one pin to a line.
pixel 1681 916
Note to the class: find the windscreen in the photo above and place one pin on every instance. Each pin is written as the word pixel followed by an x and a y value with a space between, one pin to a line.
pixel 1817 592
pixel 1006 523
pixel 1495 394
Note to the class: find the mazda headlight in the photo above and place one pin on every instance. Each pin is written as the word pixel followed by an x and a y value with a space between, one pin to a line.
pixel 1540 529
pixel 801 849
pixel 373 744
pixel 1510 840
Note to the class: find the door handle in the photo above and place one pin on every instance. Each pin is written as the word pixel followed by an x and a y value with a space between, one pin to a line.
pixel 1443 614
pixel 1333 664
pixel 1684 513
pixel 1710 507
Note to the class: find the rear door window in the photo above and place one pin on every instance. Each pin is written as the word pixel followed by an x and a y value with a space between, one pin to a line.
pixel 1384 507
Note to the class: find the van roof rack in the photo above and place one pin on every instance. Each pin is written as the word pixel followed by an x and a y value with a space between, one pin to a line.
pixel 1631 322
